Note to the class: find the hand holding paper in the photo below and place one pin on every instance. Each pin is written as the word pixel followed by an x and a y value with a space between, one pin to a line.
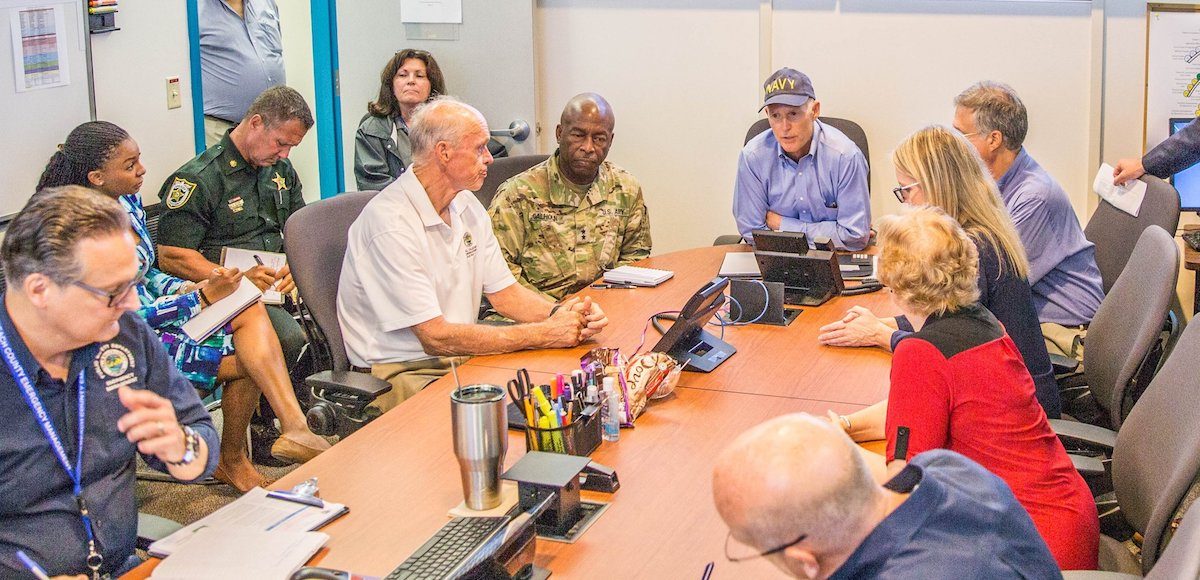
pixel 1127 198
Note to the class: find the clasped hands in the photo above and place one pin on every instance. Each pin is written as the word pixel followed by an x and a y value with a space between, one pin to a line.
pixel 576 320
pixel 859 327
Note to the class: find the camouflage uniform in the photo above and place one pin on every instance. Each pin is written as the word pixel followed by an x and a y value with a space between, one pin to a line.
pixel 558 237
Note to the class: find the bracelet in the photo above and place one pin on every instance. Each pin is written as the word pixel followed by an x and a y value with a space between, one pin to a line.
pixel 845 423
pixel 191 447
pixel 204 301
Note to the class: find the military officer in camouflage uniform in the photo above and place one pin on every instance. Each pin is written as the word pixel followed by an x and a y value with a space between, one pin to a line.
pixel 563 222
pixel 238 193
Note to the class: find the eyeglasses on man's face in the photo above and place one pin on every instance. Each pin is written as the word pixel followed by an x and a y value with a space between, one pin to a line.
pixel 900 191
pixel 729 549
pixel 120 294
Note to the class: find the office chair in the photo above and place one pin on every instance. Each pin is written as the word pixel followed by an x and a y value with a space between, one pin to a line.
pixel 1155 459
pixel 851 129
pixel 317 244
pixel 1115 233
pixel 1125 330
pixel 501 170
pixel 1180 560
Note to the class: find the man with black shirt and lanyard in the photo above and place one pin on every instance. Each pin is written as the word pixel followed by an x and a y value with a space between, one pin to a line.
pixel 74 354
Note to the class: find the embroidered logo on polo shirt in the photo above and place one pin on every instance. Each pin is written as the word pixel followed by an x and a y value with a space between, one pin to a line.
pixel 181 190
pixel 469 243
pixel 115 363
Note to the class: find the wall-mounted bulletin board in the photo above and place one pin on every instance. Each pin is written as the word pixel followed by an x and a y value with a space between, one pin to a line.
pixel 44 89
pixel 1172 67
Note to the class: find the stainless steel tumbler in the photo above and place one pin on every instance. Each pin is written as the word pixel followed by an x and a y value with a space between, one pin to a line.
pixel 480 425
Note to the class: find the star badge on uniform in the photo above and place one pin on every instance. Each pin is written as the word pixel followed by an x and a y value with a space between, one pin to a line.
pixel 279 181
pixel 181 190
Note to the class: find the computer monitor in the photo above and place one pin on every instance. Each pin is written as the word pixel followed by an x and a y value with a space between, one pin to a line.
pixel 808 280
pixel 786 242
pixel 687 340
pixel 1187 182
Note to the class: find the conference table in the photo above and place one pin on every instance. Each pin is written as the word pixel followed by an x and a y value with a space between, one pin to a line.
pixel 399 475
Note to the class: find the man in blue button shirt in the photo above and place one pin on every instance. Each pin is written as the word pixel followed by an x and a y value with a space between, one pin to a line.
pixel 241 55
pixel 802 175
pixel 1063 275
pixel 797 491
pixel 76 352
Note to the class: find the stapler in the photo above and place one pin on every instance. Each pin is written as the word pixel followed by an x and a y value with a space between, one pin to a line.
pixel 597 477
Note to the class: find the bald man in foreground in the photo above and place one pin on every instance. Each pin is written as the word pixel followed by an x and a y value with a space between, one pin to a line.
pixel 796 490
pixel 565 221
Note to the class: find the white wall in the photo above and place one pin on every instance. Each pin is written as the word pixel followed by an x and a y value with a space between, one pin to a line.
pixel 895 67
pixel 295 21
pixel 682 78
pixel 490 64
pixel 131 68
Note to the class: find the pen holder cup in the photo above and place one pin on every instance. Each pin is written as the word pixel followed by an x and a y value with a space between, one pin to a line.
pixel 580 438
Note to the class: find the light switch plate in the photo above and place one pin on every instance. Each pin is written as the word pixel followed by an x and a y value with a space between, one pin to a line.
pixel 174 95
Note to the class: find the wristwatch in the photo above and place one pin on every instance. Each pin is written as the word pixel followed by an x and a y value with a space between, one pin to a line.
pixel 190 448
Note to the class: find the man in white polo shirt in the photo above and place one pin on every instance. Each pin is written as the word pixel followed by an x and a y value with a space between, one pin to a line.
pixel 422 254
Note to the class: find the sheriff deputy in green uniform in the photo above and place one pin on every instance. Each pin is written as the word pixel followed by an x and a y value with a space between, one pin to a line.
pixel 238 193
pixel 565 221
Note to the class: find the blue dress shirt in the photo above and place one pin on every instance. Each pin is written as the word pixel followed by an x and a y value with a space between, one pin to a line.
pixel 239 58
pixel 824 194
pixel 1063 275
pixel 959 521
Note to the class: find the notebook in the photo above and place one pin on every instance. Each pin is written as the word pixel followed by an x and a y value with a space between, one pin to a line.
pixel 244 260
pixel 240 553
pixel 739 265
pixel 216 315
pixel 637 276
pixel 255 511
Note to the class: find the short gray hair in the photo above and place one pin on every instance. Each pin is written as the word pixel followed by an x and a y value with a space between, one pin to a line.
pixel 280 104
pixel 42 239
pixel 997 108
pixel 432 123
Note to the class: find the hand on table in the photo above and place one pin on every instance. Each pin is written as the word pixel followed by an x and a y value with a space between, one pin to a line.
pixel 1127 169
pixel 859 327
pixel 151 424
pixel 565 327
pixel 593 316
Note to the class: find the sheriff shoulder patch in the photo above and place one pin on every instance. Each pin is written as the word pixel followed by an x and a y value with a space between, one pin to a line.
pixel 181 190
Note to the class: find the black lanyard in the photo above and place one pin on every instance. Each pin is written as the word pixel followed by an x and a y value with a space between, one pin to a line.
pixel 94 559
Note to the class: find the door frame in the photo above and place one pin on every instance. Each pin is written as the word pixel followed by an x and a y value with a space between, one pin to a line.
pixel 327 110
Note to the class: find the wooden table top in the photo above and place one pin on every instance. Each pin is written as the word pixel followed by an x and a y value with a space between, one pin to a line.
pixel 399 475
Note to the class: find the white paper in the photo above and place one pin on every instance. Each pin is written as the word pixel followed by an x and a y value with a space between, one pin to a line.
pixel 240 553
pixel 431 11
pixel 254 511
pixel 202 325
pixel 1127 198
pixel 39 58
pixel 244 260
pixel 739 265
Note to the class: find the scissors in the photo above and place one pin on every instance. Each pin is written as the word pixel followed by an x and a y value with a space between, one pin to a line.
pixel 519 390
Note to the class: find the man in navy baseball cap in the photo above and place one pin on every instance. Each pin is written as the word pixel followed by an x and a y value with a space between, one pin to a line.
pixel 802 175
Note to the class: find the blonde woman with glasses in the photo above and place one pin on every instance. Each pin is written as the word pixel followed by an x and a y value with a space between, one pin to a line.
pixel 938 167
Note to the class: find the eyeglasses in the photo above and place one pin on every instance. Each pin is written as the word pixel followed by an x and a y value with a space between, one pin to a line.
pixel 899 191
pixel 732 558
pixel 121 293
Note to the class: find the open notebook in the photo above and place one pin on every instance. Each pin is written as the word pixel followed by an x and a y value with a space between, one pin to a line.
pixel 216 315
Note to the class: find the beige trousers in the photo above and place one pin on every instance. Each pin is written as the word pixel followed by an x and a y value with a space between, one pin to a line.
pixel 214 130
pixel 409 377
pixel 1064 340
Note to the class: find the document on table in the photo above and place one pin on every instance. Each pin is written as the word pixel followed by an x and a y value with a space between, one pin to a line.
pixel 1127 198
pixel 240 553
pixel 245 259
pixel 254 511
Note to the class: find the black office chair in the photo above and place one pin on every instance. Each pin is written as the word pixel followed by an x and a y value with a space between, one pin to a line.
pixel 502 170
pixel 1125 330
pixel 851 129
pixel 316 237
pixel 1155 460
